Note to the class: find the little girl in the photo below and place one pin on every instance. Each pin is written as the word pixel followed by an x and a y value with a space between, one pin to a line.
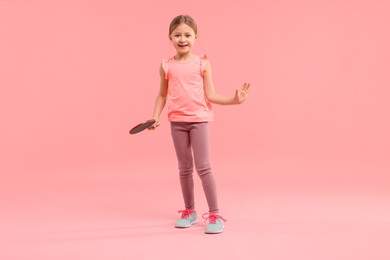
pixel 187 85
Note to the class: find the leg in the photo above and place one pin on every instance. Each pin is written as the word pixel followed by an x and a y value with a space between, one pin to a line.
pixel 200 145
pixel 182 143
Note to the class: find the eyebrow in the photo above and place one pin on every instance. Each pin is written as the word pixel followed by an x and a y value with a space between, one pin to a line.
pixel 182 33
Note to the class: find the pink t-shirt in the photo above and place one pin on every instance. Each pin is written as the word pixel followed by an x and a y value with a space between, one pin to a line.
pixel 186 96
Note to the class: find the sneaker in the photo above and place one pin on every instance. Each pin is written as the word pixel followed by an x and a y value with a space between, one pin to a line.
pixel 215 223
pixel 188 217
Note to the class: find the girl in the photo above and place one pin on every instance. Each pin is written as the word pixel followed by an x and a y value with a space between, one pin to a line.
pixel 186 83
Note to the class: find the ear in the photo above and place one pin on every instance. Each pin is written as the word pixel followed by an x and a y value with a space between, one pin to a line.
pixel 196 36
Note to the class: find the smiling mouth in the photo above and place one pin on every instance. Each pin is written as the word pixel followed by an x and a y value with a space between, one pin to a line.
pixel 182 46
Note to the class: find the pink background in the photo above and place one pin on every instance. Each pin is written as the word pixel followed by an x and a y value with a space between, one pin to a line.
pixel 302 167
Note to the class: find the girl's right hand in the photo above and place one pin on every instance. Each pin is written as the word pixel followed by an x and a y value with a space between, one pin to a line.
pixel 154 126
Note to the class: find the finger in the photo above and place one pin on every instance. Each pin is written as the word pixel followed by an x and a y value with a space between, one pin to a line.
pixel 154 126
pixel 246 87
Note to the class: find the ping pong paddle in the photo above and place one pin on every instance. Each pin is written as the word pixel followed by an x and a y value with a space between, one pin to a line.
pixel 141 127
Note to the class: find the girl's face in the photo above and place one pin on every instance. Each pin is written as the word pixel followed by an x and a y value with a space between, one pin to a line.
pixel 183 38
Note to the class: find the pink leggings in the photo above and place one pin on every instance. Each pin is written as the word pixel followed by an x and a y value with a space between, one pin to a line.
pixel 194 136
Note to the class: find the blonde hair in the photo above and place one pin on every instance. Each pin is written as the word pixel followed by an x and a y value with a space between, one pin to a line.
pixel 186 19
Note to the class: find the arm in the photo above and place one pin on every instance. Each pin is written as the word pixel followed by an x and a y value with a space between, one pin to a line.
pixel 214 97
pixel 160 99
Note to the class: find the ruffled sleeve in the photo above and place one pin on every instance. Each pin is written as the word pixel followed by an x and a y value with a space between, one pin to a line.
pixel 203 62
pixel 165 66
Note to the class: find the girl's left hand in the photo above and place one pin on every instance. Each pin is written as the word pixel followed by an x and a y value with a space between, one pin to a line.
pixel 242 94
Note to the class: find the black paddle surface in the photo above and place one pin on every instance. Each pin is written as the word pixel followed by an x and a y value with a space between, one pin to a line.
pixel 141 127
